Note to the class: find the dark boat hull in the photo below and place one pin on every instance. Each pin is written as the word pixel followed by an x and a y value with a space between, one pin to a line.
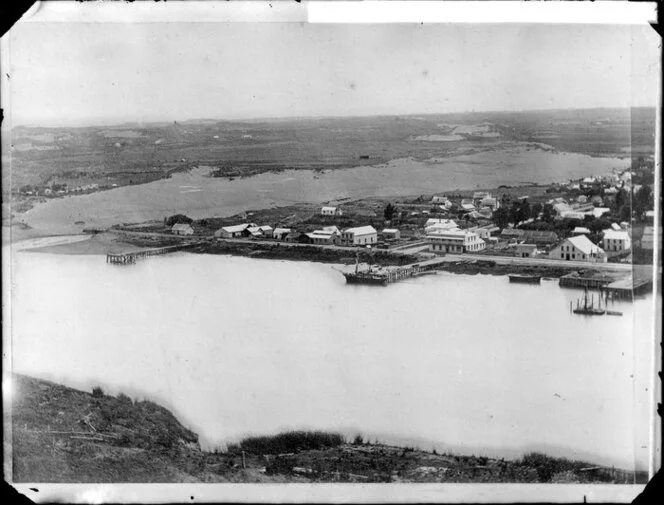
pixel 527 279
pixel 590 312
pixel 365 279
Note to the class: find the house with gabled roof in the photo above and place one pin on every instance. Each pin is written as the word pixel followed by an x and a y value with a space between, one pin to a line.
pixel 578 248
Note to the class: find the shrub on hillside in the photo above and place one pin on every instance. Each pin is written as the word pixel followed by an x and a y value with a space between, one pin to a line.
pixel 547 466
pixel 178 219
pixel 291 441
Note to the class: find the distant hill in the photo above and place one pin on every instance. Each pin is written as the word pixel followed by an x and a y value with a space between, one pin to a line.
pixel 60 434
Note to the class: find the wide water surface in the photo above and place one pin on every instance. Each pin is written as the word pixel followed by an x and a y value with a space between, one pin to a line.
pixel 200 196
pixel 238 345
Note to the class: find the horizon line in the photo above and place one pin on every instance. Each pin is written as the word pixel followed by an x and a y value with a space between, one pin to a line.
pixel 119 121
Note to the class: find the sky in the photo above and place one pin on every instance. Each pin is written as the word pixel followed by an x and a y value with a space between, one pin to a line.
pixel 87 73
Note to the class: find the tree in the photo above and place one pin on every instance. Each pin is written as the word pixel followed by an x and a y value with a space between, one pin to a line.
pixel 643 200
pixel 622 198
pixel 547 213
pixel 625 213
pixel 389 211
pixel 178 219
pixel 501 217
pixel 524 210
pixel 535 210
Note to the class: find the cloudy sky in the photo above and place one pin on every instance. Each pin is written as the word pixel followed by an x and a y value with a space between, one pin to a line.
pixel 86 72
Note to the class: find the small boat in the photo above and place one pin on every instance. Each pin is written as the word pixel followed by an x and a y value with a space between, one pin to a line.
pixel 370 276
pixel 588 308
pixel 529 279
pixel 613 313
pixel 365 278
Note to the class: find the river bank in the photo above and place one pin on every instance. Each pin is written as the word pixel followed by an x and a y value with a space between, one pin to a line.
pixel 63 434
pixel 118 243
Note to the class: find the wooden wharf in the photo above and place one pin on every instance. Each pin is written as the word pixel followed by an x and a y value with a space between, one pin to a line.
pixel 574 280
pixel 130 258
pixel 628 287
pixel 388 275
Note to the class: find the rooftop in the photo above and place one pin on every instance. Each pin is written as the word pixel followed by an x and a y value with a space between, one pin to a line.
pixel 616 234
pixel 235 228
pixel 583 244
pixel 361 230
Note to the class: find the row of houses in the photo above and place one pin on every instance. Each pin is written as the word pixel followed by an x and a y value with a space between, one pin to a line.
pixel 329 235
pixel 481 205
pixel 580 248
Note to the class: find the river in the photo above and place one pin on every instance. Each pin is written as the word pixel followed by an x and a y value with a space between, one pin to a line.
pixel 235 346
pixel 197 195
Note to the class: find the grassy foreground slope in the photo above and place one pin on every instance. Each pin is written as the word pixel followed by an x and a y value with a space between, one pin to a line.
pixel 60 434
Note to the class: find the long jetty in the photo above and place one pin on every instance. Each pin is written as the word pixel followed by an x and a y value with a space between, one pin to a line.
pixel 390 274
pixel 129 258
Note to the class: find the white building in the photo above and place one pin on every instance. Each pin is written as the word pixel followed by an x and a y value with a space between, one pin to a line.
pixel 484 231
pixel 442 200
pixel 391 234
pixel 580 230
pixel 573 214
pixel 616 242
pixel 490 201
pixel 235 231
pixel 260 231
pixel 481 195
pixel 331 211
pixel 280 233
pixel 182 229
pixel 525 250
pixel 361 235
pixel 455 241
pixel 600 211
pixel 323 237
pixel 433 225
pixel 578 248
pixel 332 229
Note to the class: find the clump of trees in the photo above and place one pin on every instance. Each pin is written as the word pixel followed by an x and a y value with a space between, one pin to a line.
pixel 177 219
pixel 291 441
pixel 389 211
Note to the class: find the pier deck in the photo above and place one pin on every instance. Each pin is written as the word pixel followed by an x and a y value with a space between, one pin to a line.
pixel 387 275
pixel 130 258
pixel 628 287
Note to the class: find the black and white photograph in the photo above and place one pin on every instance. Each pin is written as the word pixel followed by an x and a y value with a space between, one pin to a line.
pixel 243 247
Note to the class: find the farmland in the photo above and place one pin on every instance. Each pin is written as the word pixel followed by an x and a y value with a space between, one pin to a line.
pixel 136 153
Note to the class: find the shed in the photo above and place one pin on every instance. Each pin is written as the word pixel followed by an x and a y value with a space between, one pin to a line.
pixel 182 229
pixel 280 233
pixel 391 234
pixel 526 250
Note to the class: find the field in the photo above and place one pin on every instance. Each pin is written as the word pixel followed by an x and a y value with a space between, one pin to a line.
pixel 137 153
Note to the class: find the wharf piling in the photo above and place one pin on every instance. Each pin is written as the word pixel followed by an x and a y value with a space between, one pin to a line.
pixel 388 275
pixel 628 288
pixel 574 280
pixel 130 258
pixel 120 259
